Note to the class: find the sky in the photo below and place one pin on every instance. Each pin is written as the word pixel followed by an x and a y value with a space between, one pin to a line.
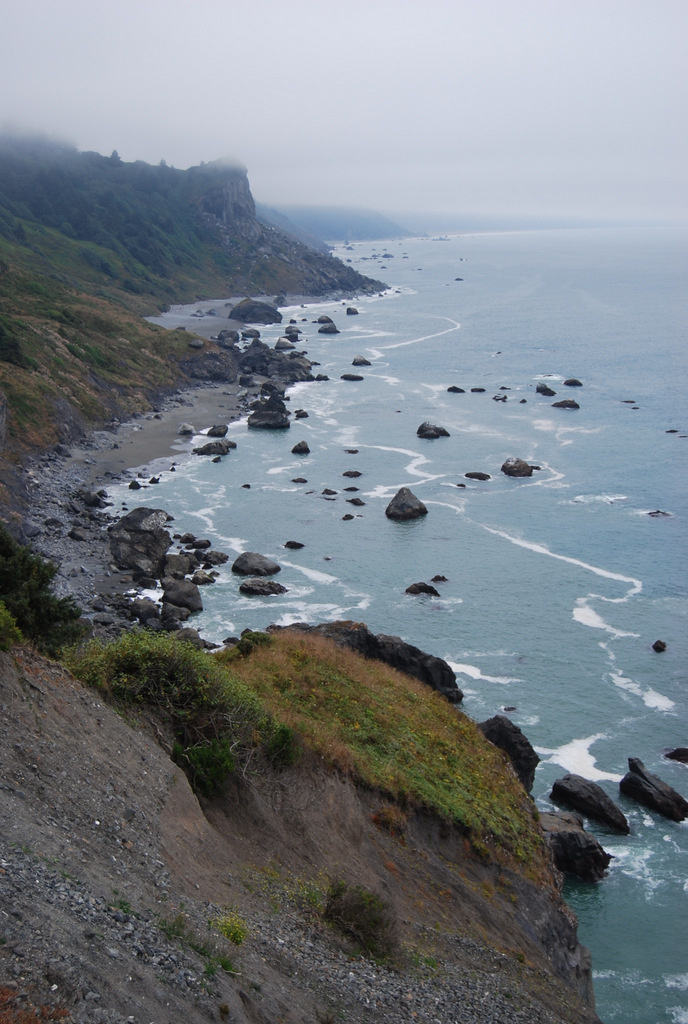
pixel 547 107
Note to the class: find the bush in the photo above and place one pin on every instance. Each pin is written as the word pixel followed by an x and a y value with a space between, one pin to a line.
pixel 9 634
pixel 25 590
pixel 218 723
pixel 362 916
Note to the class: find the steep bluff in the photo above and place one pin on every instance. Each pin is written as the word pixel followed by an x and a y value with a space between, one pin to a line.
pixel 113 878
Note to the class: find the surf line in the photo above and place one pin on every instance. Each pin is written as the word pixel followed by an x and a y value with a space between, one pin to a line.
pixel 540 549
pixel 456 326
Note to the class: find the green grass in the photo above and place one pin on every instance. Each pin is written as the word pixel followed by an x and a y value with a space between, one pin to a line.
pixel 396 735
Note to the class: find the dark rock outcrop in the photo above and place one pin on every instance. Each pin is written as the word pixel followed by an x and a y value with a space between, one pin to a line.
pixel 652 792
pixel 545 389
pixel 517 467
pixel 250 563
pixel 328 328
pixel 360 361
pixel 251 311
pixel 218 430
pixel 262 588
pixel 454 389
pixel 678 754
pixel 269 414
pixel 590 799
pixel 431 431
pixel 268 362
pixel 405 505
pixel 222 446
pixel 139 541
pixel 566 403
pixel 477 476
pixel 573 849
pixel 415 588
pixel 392 650
pixel 573 382
pixel 182 594
pixel 506 735
pixel 301 448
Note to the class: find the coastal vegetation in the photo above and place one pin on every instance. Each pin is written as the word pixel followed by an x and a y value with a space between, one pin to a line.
pixel 88 246
pixel 269 698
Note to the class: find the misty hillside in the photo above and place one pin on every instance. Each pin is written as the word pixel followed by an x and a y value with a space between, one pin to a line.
pixel 89 244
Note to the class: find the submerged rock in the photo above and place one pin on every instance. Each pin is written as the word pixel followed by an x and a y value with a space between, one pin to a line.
pixel 262 588
pixel 420 588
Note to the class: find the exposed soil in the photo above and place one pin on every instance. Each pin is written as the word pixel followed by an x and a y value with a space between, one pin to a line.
pixel 111 871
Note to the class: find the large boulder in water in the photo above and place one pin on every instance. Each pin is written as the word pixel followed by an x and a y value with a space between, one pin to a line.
pixel 405 505
pixel 182 594
pixel 590 799
pixel 270 414
pixel 573 849
pixel 139 541
pixel 517 467
pixel 250 311
pixel 431 430
pixel 650 790
pixel 392 650
pixel 506 735
pixel 250 563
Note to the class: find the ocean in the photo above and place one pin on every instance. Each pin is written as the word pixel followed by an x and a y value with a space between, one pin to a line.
pixel 556 585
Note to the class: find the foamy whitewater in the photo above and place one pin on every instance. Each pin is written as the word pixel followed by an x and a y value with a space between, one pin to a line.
pixel 556 585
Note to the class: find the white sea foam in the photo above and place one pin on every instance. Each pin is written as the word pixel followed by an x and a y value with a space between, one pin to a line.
pixel 651 698
pixel 455 326
pixel 473 672
pixel 679 1014
pixel 679 981
pixel 590 499
pixel 587 616
pixel 575 757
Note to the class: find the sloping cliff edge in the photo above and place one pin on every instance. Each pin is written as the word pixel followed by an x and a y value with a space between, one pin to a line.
pixel 113 878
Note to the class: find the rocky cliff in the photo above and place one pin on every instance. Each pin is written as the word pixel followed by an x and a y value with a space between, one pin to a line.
pixel 125 898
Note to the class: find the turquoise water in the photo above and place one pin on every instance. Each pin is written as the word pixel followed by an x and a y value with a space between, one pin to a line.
pixel 557 585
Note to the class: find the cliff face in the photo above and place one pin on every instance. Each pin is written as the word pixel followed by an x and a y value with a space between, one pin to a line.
pixel 230 209
pixel 114 879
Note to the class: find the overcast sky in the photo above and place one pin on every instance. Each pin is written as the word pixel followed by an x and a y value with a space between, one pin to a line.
pixel 518 106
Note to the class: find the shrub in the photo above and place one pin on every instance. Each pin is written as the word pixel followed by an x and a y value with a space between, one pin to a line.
pixel 25 590
pixel 283 748
pixel 232 926
pixel 9 634
pixel 218 723
pixel 362 916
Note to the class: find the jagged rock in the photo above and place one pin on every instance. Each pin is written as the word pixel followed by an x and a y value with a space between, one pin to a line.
pixel 430 431
pixel 301 448
pixel 652 792
pixel 139 541
pixel 418 588
pixel 177 566
pixel 182 594
pixel 228 338
pixel 573 849
pixel 294 545
pixel 590 799
pixel 212 558
pixel 250 311
pixel 218 430
pixel 145 610
pixel 678 754
pixel 262 588
pixel 506 735
pixel 477 476
pixel 329 328
pixel 517 467
pixel 300 414
pixel 360 361
pixel 544 389
pixel 250 563
pixel 202 578
pixel 352 474
pixel 659 646
pixel 573 382
pixel 222 446
pixel 454 390
pixel 566 403
pixel 405 505
pixel 94 499
pixel 270 414
pixel 356 501
pixel 392 650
